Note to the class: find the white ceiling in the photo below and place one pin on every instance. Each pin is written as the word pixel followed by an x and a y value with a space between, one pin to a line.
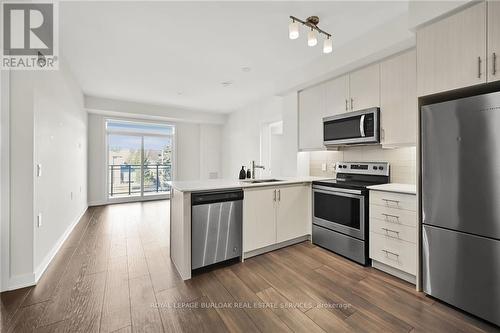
pixel 179 53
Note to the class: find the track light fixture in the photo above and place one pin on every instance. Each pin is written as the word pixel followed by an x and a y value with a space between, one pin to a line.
pixel 311 23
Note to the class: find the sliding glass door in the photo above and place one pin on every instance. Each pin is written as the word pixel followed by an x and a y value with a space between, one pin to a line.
pixel 140 159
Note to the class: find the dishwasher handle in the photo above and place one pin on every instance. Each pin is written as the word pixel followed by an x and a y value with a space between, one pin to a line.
pixel 205 198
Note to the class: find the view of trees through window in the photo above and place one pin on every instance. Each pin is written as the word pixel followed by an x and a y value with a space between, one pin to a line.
pixel 139 158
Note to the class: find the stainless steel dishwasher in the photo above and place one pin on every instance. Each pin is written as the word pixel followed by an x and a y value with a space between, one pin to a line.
pixel 216 223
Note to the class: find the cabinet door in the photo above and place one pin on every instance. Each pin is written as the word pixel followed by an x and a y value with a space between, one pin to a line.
pixel 259 218
pixel 493 41
pixel 365 88
pixel 451 53
pixel 294 217
pixel 311 112
pixel 337 95
pixel 398 98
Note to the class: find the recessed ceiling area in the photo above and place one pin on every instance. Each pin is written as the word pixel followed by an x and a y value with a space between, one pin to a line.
pixel 206 56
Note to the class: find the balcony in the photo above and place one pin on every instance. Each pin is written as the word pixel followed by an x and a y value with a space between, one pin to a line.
pixel 134 180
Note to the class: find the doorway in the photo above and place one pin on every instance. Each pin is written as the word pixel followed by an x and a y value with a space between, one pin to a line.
pixel 139 159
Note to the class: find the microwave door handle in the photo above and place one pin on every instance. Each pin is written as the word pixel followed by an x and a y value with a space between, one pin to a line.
pixel 362 126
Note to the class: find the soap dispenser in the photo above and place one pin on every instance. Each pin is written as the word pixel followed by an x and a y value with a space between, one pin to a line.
pixel 242 172
pixel 249 173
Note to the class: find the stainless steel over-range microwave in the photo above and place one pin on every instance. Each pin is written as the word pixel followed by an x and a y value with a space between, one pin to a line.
pixel 351 128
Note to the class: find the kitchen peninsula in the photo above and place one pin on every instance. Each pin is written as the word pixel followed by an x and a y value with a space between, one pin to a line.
pixel 275 213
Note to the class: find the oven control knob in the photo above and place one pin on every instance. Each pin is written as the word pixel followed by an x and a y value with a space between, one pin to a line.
pixel 381 168
pixel 374 168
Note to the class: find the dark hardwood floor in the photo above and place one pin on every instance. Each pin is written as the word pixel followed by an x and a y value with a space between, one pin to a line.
pixel 114 274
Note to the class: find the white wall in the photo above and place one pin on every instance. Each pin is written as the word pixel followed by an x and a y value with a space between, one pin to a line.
pixel 422 12
pixel 47 126
pixel 197 153
pixel 210 151
pixel 242 135
pixel 61 148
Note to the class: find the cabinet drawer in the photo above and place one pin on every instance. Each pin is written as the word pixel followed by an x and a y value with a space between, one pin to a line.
pixel 394 200
pixel 393 215
pixel 393 252
pixel 394 231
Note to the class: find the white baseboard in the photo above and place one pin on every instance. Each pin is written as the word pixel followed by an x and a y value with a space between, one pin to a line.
pixel 97 203
pixel 394 271
pixel 20 281
pixel 273 247
pixel 52 253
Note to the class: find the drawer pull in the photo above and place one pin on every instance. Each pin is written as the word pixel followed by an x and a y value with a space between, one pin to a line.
pixel 392 216
pixel 387 253
pixel 390 201
pixel 388 231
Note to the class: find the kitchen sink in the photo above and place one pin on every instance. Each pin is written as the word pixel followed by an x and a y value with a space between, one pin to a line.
pixel 258 181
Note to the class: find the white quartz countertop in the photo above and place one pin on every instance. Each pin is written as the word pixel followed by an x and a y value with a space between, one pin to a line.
pixel 220 184
pixel 395 187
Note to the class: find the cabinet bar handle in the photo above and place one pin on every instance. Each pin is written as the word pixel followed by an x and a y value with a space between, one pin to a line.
pixel 389 215
pixel 279 195
pixel 479 67
pixel 352 103
pixel 346 104
pixel 387 201
pixel 387 231
pixel 274 195
pixel 389 252
pixel 494 63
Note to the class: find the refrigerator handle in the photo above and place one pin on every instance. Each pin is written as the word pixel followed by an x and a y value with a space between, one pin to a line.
pixel 479 67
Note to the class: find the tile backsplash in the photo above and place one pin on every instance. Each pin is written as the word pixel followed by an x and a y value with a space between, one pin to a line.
pixel 402 161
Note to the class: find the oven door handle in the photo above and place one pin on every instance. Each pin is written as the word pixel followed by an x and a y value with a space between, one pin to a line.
pixel 353 194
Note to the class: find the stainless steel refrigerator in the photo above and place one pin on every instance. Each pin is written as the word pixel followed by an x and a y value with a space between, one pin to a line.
pixel 461 203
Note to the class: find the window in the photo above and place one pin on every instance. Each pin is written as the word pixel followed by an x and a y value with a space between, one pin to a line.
pixel 139 158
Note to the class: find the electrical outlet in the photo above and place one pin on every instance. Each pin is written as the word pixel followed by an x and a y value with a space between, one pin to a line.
pixel 71 195
pixel 38 170
pixel 323 166
pixel 39 220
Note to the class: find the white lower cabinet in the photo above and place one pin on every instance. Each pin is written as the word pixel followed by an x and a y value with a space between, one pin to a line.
pixel 293 212
pixel 393 231
pixel 272 215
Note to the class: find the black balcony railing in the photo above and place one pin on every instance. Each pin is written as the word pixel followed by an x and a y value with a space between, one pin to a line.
pixel 126 179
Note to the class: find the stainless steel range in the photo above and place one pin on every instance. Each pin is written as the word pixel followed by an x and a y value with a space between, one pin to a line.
pixel 340 208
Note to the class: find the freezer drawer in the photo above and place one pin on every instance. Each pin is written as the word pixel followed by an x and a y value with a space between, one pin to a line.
pixel 215 232
pixel 462 270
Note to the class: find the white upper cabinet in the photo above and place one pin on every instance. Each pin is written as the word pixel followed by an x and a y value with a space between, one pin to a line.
pixel 364 88
pixel 451 53
pixel 493 41
pixel 398 97
pixel 312 109
pixel 337 95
